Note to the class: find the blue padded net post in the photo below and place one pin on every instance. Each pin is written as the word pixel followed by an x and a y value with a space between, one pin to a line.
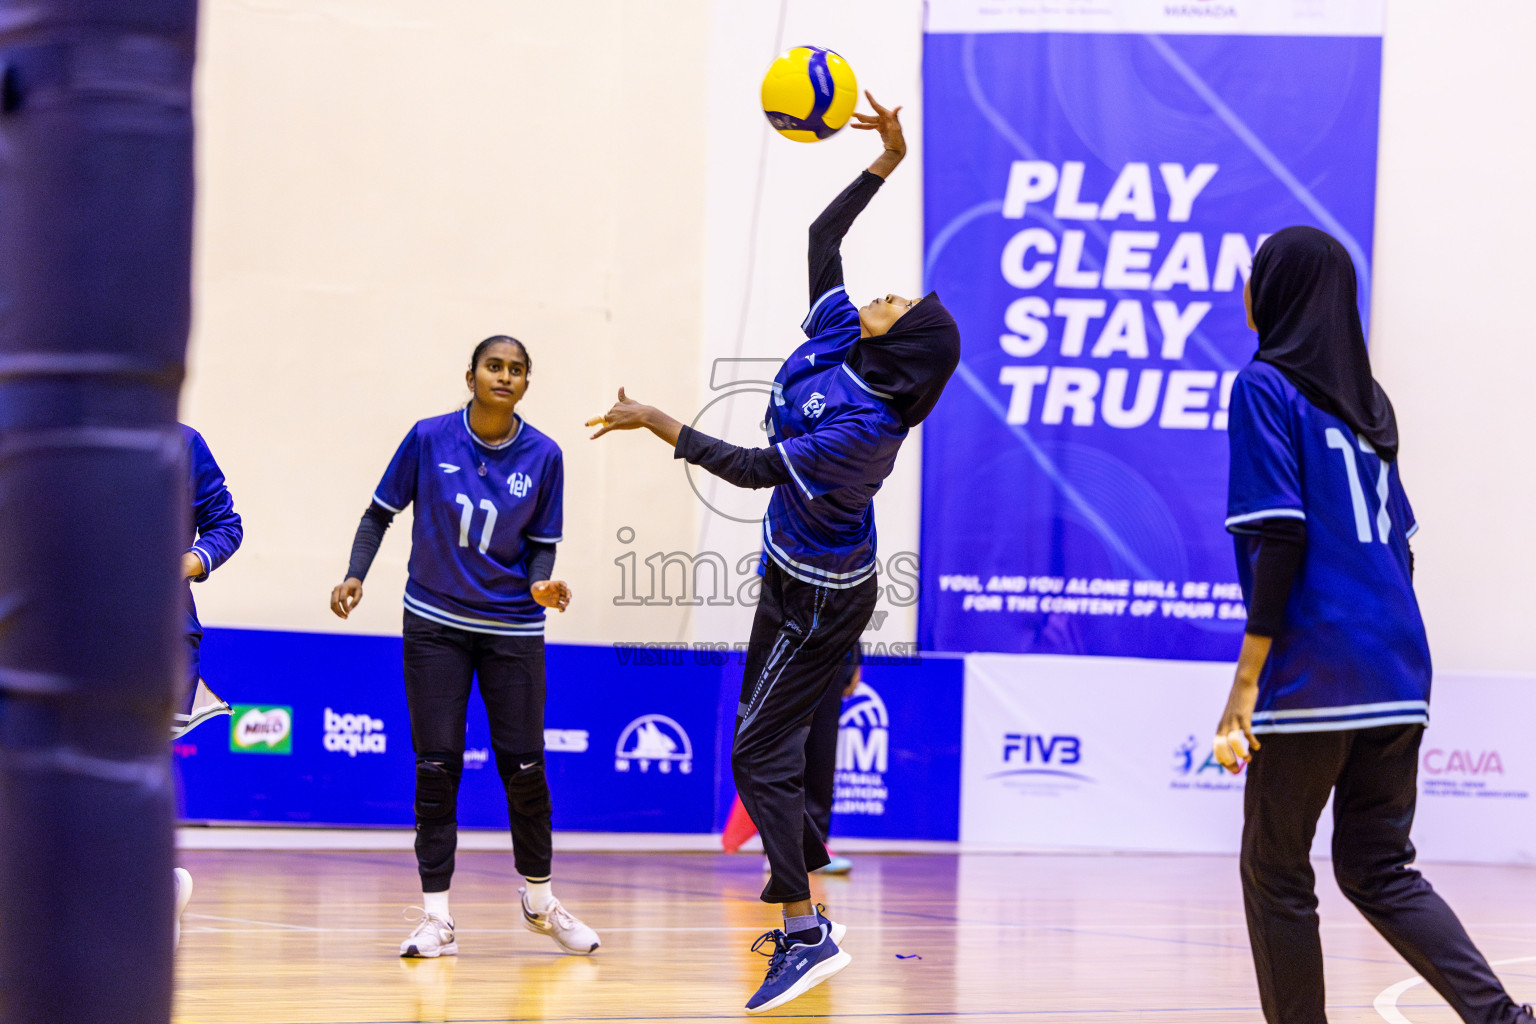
pixel 95 266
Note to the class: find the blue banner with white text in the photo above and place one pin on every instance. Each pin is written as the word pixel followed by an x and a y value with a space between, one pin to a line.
pixel 1093 201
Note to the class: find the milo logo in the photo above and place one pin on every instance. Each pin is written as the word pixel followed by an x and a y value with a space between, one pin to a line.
pixel 261 729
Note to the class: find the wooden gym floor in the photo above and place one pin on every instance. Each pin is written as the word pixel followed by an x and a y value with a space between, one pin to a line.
pixel 289 937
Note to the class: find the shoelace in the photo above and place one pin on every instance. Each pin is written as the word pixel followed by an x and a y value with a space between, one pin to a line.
pixel 780 954
pixel 419 917
pixel 559 915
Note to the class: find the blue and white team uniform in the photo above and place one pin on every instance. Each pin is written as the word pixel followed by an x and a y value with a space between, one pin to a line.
pixel 839 438
pixel 1353 651
pixel 478 507
pixel 215 535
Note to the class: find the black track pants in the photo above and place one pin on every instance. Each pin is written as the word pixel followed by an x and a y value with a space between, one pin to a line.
pixel 1372 774
pixel 821 752
pixel 802 637
pixel 441 663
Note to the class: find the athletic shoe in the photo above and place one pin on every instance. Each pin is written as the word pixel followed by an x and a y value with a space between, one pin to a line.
pixel 561 925
pixel 837 930
pixel 432 937
pixel 836 866
pixel 794 968
pixel 183 879
pixel 205 705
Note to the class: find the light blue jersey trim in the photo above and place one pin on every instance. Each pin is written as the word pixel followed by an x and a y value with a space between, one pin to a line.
pixel 1411 531
pixel 791 467
pixel 805 325
pixel 384 504
pixel 205 558
pixel 1339 725
pixel 810 573
pixel 1345 716
pixel 543 540
pixel 418 607
pixel 860 382
pixel 1268 513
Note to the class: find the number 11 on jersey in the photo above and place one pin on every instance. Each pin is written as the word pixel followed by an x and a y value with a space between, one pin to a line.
pixel 1336 439
pixel 467 515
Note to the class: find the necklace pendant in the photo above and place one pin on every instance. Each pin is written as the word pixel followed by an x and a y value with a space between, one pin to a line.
pixel 482 469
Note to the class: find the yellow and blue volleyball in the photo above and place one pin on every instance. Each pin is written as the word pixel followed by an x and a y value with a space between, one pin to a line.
pixel 809 93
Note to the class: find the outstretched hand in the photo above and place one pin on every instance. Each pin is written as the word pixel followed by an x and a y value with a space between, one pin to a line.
pixel 626 414
pixel 888 124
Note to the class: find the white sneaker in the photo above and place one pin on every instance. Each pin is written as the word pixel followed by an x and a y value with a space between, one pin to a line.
pixel 183 879
pixel 561 925
pixel 433 937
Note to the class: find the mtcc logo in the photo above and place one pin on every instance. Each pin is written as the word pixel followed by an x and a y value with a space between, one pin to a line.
pixel 519 484
pixel 863 754
pixel 653 739
pixel 815 405
pixel 354 734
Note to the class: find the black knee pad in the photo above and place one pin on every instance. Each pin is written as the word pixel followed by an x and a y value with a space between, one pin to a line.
pixel 527 787
pixel 437 789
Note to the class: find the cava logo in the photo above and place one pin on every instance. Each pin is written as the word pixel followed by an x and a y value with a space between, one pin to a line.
pixel 259 729
pixel 1472 764
pixel 863 754
pixel 519 484
pixel 354 734
pixel 653 740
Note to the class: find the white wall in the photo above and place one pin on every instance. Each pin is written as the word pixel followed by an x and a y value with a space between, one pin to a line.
pixel 382 184
pixel 764 191
pixel 1451 335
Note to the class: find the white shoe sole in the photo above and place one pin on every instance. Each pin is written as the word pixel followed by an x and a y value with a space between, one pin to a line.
pixel 183 897
pixel 838 931
pixel 813 977
pixel 574 950
pixel 409 951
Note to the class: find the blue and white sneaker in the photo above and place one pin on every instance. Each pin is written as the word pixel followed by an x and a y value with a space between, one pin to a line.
pixel 836 866
pixel 795 968
pixel 836 929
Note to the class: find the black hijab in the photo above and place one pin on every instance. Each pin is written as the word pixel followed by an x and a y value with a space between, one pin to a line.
pixel 1303 295
pixel 912 361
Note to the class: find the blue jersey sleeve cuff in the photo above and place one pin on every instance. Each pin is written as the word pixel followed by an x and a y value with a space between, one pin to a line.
pixel 810 318
pixel 384 504
pixel 1240 523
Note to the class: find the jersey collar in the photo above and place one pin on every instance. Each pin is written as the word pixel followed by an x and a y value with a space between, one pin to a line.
pixel 491 447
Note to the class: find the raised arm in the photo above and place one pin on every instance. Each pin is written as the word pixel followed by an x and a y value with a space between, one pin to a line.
pixel 825 253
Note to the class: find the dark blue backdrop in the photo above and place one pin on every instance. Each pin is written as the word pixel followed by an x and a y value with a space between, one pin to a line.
pixel 1017 507
pixel 634 744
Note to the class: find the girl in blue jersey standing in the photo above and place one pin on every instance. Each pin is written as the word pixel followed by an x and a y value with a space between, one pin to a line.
pixel 842 405
pixel 488 492
pixel 1334 672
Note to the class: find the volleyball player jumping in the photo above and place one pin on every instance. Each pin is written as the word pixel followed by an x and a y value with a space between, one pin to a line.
pixel 488 489
pixel 842 405
pixel 1334 672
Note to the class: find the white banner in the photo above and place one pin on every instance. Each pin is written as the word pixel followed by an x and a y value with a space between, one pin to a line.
pixel 1172 17
pixel 1114 754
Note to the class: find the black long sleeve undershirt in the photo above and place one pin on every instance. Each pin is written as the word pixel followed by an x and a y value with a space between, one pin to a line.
pixel 365 544
pixel 1282 543
pixel 376 520
pixel 825 257
pixel 745 467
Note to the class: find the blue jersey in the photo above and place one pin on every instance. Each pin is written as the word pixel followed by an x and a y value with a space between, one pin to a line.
pixel 839 438
pixel 215 527
pixel 1352 652
pixel 477 508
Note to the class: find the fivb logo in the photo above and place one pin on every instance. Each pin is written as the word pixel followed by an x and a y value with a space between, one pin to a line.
pixel 654 739
pixel 354 734
pixel 1026 753
pixel 519 484
pixel 863 754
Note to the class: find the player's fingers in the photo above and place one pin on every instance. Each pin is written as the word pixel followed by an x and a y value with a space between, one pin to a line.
pixel 622 398
pixel 1253 741
pixel 596 421
pixel 874 103
pixel 1235 738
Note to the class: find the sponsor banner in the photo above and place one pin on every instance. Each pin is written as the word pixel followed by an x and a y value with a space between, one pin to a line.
pixel 254 729
pixel 1096 753
pixel 1477 771
pixel 1092 205
pixel 1187 17
pixel 898 753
